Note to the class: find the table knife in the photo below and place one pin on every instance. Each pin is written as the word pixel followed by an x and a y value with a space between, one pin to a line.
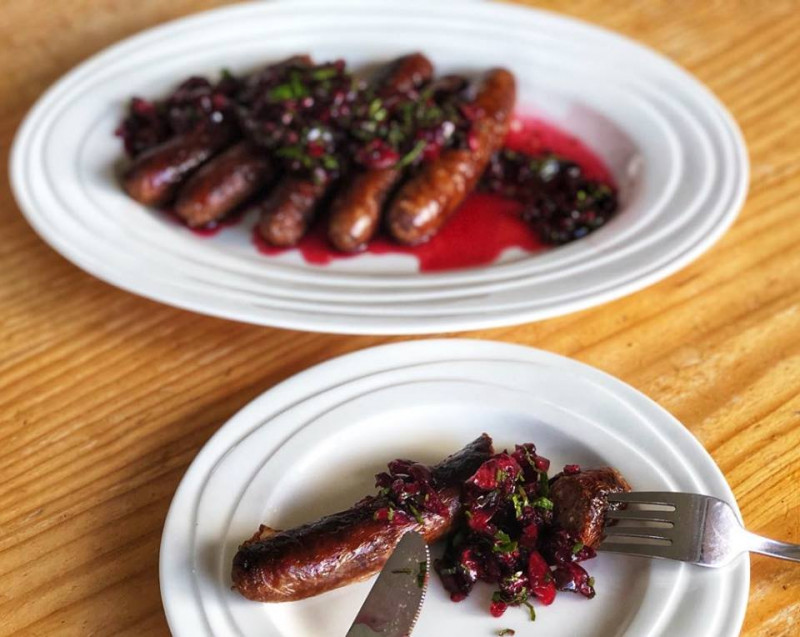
pixel 395 601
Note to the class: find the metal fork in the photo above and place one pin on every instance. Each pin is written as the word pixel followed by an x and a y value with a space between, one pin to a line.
pixel 696 528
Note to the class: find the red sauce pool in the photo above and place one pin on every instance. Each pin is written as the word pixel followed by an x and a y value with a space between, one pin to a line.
pixel 478 233
pixel 483 228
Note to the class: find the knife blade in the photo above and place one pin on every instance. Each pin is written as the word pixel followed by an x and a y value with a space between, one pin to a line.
pixel 395 601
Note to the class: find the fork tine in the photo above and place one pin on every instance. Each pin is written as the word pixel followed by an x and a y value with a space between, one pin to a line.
pixel 643 550
pixel 644 516
pixel 639 531
pixel 646 497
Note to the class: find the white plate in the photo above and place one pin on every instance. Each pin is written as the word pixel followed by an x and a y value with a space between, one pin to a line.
pixel 312 445
pixel 678 156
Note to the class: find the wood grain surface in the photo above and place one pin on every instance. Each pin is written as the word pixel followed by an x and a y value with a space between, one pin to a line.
pixel 105 397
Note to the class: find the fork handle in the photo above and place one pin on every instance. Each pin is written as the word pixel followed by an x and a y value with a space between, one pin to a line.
pixel 773 548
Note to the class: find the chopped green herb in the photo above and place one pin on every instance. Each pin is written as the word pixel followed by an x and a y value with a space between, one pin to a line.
pixel 576 548
pixel 298 88
pixel 544 484
pixel 394 136
pixel 530 610
pixel 543 503
pixel 520 501
pixel 374 106
pixel 330 162
pixel 281 92
pixel 503 543
pixel 506 631
pixel 590 581
pixel 414 154
pixel 415 512
pixel 518 504
pixel 423 572
pixel 324 73
pixel 296 153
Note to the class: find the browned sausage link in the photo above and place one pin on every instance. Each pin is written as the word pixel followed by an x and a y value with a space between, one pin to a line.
pixel 155 175
pixel 287 212
pixel 404 74
pixel 356 210
pixel 223 183
pixel 580 502
pixel 426 202
pixel 348 546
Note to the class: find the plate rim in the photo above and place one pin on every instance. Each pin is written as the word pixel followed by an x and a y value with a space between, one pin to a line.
pixel 333 322
pixel 330 374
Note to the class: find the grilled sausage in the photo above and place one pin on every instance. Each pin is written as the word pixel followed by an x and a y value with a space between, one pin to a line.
pixel 356 210
pixel 580 502
pixel 403 75
pixel 427 201
pixel 155 175
pixel 287 212
pixel 223 183
pixel 348 546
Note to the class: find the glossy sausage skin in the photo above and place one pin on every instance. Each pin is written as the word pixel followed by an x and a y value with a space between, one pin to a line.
pixel 154 176
pixel 287 212
pixel 404 74
pixel 426 202
pixel 580 502
pixel 348 546
pixel 356 210
pixel 223 183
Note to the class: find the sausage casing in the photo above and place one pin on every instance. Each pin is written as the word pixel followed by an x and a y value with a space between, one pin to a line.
pixel 426 202
pixel 348 546
pixel 154 176
pixel 356 210
pixel 287 211
pixel 223 183
pixel 580 502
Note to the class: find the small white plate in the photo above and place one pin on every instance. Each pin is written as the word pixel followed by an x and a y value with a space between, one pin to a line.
pixel 674 150
pixel 311 446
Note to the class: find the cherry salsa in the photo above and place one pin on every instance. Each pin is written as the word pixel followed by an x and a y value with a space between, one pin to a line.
pixel 506 535
pixel 323 122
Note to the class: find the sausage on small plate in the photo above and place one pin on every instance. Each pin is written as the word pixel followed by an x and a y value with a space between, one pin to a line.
pixel 348 546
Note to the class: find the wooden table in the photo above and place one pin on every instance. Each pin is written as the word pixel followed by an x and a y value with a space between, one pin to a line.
pixel 107 397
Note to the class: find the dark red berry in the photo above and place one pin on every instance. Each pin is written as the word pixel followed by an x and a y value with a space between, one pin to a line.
pixel 498 608
pixel 573 578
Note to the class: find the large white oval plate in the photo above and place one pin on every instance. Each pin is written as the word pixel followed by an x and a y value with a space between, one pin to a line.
pixel 311 446
pixel 676 153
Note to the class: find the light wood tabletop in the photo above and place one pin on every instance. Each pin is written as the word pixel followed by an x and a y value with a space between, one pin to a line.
pixel 106 397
